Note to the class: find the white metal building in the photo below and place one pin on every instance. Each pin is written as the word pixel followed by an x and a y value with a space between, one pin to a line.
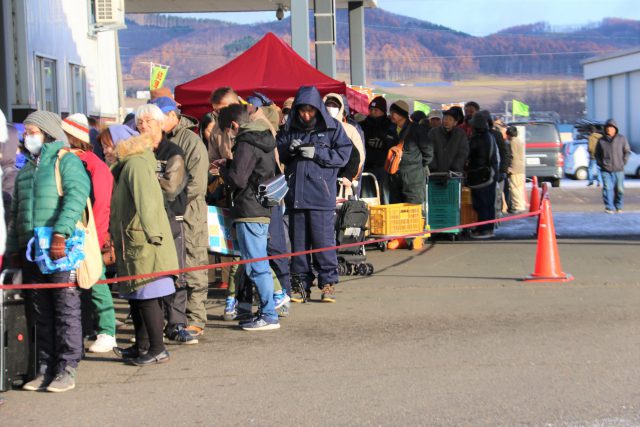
pixel 613 91
pixel 56 56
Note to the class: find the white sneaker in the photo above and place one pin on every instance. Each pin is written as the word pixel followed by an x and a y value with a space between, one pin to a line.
pixel 103 344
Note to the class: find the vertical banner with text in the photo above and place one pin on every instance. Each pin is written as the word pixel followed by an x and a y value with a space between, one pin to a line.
pixel 158 74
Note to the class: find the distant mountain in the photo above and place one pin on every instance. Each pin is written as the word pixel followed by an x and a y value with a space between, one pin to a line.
pixel 398 47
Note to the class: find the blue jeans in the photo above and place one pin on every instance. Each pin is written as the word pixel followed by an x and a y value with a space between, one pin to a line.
pixel 252 240
pixel 593 172
pixel 612 189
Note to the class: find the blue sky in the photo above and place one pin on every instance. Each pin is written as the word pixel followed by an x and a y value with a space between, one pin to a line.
pixel 480 17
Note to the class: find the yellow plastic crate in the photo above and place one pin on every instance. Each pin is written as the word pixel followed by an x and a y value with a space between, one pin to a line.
pixel 396 219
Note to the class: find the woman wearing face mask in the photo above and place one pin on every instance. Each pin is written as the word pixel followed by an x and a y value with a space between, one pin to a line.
pixel 352 170
pixel 36 203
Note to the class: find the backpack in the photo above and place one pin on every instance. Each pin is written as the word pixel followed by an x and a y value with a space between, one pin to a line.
pixel 90 269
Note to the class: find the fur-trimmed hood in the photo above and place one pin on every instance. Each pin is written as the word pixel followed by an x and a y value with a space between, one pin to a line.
pixel 141 144
pixel 134 145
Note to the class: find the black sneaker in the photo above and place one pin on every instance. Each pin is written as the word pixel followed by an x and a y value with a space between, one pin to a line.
pixel 182 336
pixel 129 352
pixel 148 359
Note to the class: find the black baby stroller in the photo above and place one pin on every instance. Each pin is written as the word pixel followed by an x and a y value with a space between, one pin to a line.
pixel 351 225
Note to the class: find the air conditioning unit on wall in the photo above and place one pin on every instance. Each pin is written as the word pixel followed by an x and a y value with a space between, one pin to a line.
pixel 109 14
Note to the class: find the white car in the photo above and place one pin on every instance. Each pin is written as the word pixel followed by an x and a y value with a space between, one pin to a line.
pixel 576 159
pixel 632 168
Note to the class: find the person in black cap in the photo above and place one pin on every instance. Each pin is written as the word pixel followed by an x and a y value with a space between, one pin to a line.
pixel 450 145
pixel 376 127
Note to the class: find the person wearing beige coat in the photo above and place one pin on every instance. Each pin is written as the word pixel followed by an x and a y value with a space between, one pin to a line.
pixel 517 170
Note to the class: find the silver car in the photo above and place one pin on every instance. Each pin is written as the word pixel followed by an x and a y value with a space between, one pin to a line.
pixel 576 159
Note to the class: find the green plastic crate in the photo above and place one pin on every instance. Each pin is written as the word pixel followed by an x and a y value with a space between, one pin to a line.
pixel 444 203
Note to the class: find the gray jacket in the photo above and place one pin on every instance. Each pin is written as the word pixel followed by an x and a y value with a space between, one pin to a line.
pixel 612 153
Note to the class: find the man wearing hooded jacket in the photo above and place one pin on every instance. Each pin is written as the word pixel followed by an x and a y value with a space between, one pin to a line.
pixel 612 153
pixel 313 146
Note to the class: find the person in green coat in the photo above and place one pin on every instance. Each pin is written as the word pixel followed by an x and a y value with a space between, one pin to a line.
pixel 36 203
pixel 144 244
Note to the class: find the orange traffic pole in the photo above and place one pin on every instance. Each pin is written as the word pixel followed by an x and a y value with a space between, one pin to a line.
pixel 534 203
pixel 548 267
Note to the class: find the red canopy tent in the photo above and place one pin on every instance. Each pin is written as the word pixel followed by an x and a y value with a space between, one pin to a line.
pixel 271 67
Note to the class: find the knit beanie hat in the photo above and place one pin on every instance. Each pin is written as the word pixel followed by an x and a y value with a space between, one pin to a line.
pixel 77 125
pixel 121 133
pixel 480 120
pixel 401 108
pixel 380 103
pixel 48 123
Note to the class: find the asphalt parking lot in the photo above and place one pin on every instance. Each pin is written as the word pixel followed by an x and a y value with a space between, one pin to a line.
pixel 447 335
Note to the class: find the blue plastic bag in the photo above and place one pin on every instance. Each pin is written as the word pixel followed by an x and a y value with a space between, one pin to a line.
pixel 40 244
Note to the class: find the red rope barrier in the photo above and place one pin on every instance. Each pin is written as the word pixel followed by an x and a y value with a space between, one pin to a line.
pixel 267 258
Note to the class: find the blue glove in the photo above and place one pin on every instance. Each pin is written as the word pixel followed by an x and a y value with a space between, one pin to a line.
pixel 294 145
pixel 308 152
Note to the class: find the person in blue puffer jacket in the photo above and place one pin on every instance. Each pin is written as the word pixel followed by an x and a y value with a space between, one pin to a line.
pixel 313 147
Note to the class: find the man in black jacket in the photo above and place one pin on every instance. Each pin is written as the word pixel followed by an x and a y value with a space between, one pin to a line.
pixel 173 178
pixel 253 162
pixel 482 172
pixel 612 153
pixel 450 146
pixel 505 157
pixel 376 127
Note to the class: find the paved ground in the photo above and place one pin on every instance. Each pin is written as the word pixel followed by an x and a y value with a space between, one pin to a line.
pixel 444 336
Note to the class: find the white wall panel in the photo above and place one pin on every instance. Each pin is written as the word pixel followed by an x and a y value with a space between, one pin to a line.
pixel 634 99
pixel 601 99
pixel 619 102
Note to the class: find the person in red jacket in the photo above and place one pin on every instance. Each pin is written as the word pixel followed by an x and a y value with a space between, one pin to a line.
pixel 76 127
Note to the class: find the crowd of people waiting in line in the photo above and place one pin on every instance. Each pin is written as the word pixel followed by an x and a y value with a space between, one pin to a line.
pixel 151 178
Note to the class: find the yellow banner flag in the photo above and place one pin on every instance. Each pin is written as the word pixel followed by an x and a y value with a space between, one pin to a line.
pixel 158 74
pixel 520 109
pixel 420 106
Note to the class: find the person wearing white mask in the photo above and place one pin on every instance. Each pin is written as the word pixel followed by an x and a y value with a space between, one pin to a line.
pixel 352 170
pixel 36 203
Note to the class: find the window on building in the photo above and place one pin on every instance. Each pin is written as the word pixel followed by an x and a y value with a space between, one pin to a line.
pixel 77 85
pixel 91 15
pixel 46 84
